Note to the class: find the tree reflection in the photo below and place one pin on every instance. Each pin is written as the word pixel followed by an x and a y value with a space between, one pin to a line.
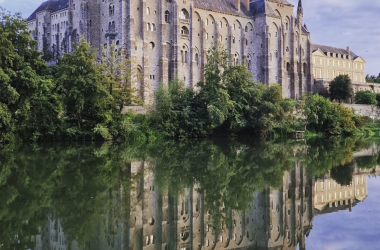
pixel 90 188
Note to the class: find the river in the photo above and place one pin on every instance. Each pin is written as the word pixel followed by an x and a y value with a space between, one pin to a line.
pixel 198 194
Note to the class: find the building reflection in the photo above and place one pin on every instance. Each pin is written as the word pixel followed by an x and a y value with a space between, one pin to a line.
pixel 275 219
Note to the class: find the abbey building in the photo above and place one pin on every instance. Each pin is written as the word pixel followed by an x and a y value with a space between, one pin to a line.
pixel 169 38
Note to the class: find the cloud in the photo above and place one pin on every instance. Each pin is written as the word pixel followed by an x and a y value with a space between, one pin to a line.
pixel 338 23
pixel 342 23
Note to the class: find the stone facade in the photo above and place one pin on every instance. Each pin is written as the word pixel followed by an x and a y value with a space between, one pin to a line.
pixel 168 38
pixel 330 62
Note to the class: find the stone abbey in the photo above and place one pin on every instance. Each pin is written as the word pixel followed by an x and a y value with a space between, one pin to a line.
pixel 166 39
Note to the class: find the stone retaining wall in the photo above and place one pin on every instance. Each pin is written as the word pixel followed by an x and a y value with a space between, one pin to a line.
pixel 365 110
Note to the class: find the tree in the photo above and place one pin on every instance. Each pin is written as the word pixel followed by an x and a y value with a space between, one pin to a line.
pixel 29 106
pixel 373 79
pixel 365 97
pixel 213 94
pixel 341 88
pixel 119 77
pixel 87 102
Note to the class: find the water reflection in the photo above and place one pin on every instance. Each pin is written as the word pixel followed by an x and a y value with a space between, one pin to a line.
pixel 182 195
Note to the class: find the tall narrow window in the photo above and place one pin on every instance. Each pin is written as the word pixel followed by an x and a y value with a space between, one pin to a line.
pixel 167 16
pixel 148 11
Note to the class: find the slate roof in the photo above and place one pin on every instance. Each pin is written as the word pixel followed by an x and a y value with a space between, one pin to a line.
pixel 226 6
pixel 51 5
pixel 262 7
pixel 330 49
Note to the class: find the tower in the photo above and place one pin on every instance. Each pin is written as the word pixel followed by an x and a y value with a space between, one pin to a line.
pixel 300 13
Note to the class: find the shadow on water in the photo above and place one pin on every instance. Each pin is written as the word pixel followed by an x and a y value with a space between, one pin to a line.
pixel 176 195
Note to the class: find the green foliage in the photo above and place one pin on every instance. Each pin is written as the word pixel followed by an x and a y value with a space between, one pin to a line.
pixel 365 97
pixel 341 88
pixel 89 187
pixel 373 79
pixel 322 115
pixel 87 102
pixel 228 102
pixel 29 105
pixel 118 77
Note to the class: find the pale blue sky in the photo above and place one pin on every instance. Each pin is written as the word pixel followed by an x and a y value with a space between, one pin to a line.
pixel 338 23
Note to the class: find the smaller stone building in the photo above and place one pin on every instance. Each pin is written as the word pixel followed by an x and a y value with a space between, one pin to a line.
pixel 330 62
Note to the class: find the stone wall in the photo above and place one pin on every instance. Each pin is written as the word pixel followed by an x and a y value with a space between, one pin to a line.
pixel 365 110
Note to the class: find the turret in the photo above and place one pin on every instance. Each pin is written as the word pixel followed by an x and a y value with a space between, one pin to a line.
pixel 300 13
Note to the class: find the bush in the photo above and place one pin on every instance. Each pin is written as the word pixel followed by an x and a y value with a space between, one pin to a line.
pixel 322 115
pixel 365 97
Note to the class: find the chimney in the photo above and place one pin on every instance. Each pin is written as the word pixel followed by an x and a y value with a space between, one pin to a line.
pixel 238 5
pixel 247 5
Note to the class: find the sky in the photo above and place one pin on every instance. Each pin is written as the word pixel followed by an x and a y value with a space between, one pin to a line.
pixel 356 230
pixel 337 23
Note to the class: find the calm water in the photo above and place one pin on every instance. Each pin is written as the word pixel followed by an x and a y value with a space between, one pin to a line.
pixel 191 195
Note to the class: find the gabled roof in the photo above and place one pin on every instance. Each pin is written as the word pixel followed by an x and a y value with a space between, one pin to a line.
pixel 50 5
pixel 329 49
pixel 226 6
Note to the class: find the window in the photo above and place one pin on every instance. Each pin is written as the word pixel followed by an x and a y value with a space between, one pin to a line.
pixel 184 31
pixel 184 14
pixel 148 11
pixel 197 59
pixel 167 16
pixel 153 27
pixel 151 45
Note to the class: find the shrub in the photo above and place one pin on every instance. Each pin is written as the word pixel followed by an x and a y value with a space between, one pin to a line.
pixel 365 97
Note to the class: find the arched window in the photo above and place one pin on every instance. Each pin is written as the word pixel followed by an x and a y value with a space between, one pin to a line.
pixel 167 16
pixel 184 14
pixel 153 28
pixel 147 10
pixel 197 59
pixel 246 28
pixel 151 45
pixel 184 31
pixel 221 24
pixel 148 27
pixel 287 25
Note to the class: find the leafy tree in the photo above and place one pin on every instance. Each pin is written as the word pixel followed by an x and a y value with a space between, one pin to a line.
pixel 324 116
pixel 213 95
pixel 341 88
pixel 87 102
pixel 29 105
pixel 119 77
pixel 365 97
pixel 373 79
